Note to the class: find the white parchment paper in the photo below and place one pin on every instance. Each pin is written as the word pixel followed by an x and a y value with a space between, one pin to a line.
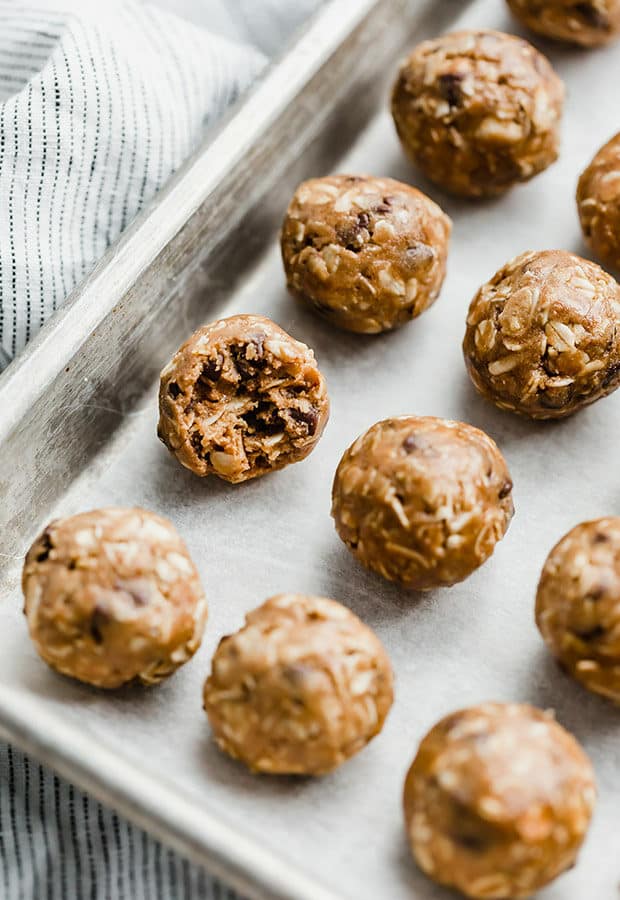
pixel 450 648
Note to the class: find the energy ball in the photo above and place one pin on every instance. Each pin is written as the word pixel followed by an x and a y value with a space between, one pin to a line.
pixel 498 800
pixel 478 111
pixel 112 596
pixel 578 605
pixel 241 398
pixel 589 24
pixel 598 202
pixel 303 686
pixel 543 335
pixel 368 253
pixel 422 501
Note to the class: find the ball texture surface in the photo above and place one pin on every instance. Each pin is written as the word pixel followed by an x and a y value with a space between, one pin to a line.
pixel 303 686
pixel 421 500
pixel 578 605
pixel 112 596
pixel 598 202
pixel 368 253
pixel 543 335
pixel 478 111
pixel 498 801
pixel 241 398
pixel 589 24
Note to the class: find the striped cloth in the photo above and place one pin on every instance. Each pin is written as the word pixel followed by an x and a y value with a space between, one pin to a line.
pixel 59 844
pixel 99 104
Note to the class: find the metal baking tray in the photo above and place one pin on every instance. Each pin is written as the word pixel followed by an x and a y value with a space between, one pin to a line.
pixel 77 430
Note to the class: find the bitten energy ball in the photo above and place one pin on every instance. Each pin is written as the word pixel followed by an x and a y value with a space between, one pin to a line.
pixel 422 501
pixel 598 202
pixel 300 688
pixel 578 605
pixel 241 398
pixel 590 24
pixel 368 253
pixel 112 596
pixel 498 801
pixel 543 335
pixel 478 111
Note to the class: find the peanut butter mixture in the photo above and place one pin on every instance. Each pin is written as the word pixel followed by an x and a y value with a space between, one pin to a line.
pixel 478 111
pixel 588 23
pixel 241 398
pixel 368 253
pixel 421 500
pixel 498 801
pixel 578 605
pixel 300 688
pixel 543 335
pixel 598 202
pixel 112 596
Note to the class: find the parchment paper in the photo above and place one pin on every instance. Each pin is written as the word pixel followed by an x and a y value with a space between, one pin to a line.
pixel 450 648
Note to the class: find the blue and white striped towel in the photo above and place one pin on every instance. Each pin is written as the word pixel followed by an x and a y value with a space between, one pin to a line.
pixel 99 104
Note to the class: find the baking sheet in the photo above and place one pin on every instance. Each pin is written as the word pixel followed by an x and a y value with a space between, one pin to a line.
pixel 451 648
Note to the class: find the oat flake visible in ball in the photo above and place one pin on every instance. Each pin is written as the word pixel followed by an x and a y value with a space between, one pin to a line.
pixel 589 23
pixel 368 253
pixel 598 202
pixel 241 398
pixel 111 596
pixel 543 335
pixel 578 605
pixel 300 688
pixel 421 500
pixel 498 801
pixel 478 111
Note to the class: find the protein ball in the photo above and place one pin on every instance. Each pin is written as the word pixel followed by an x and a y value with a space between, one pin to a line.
pixel 543 335
pixel 589 24
pixel 578 605
pixel 241 398
pixel 368 253
pixel 478 111
pixel 112 596
pixel 422 501
pixel 498 800
pixel 598 202
pixel 303 686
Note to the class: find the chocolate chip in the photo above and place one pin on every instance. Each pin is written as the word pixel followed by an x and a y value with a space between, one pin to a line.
pixel 385 206
pixel 505 489
pixel 410 444
pixel 212 369
pixel 46 545
pixel 612 375
pixel 249 357
pixel 450 88
pixel 599 537
pixel 592 15
pixel 174 390
pixel 477 843
pixel 196 442
pixel 351 238
pixel 592 634
pixel 263 419
pixel 363 220
pixel 310 418
pixel 99 618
